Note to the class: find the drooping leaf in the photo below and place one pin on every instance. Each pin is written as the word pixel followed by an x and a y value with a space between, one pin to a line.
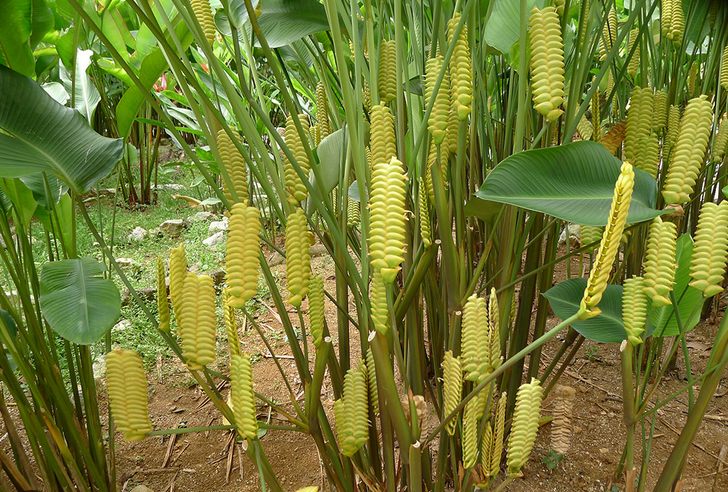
pixel 21 197
pixel 45 136
pixel 76 301
pixel 63 227
pixel 86 96
pixel 503 27
pixel 56 91
pixel 15 31
pixel 330 153
pixel 42 21
pixel 573 182
pixel 282 21
pixel 45 190
pixel 689 299
pixel 606 327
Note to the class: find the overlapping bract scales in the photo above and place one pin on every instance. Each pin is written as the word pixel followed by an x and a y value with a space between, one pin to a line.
pixel 297 191
pixel 243 397
pixel 525 425
pixel 672 20
pixel 475 339
pixel 547 62
pixel 424 210
pixel 461 71
pixel 298 257
pixel 352 412
pixel 492 446
pixel 724 69
pixel 127 389
pixel 322 112
pixel 372 381
pixel 634 309
pixel 659 111
pixel 471 416
pixel 596 109
pixel 609 247
pixel 673 130
pixel 688 155
pixel 387 79
pixel 316 309
pixel 660 262
pixel 203 12
pixel 437 122
pixel 721 141
pixel 561 425
pixel 234 165
pixel 494 330
pixel 198 326
pixel 666 16
pixel 353 212
pixel 634 62
pixel 177 276
pixel 387 219
pixel 381 141
pixel 614 137
pixel 589 235
pixel 707 266
pixel 585 128
pixel 162 302
pixel 378 300
pixel 641 145
pixel 452 388
pixel 242 255
pixel 231 325
pixel 609 33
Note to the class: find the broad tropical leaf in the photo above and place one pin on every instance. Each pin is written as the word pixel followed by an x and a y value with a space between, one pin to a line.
pixel 503 26
pixel 77 302
pixel 606 327
pixel 86 96
pixel 45 136
pixel 283 21
pixel 330 153
pixel 573 182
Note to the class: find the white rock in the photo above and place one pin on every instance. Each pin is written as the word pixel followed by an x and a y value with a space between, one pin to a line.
pixel 122 325
pixel 99 367
pixel 128 263
pixel 170 187
pixel 172 227
pixel 138 234
pixel 574 234
pixel 218 226
pixel 141 488
pixel 212 241
pixel 203 217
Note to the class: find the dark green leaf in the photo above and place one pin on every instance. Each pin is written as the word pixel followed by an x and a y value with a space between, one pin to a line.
pixel 77 302
pixel 573 182
pixel 283 21
pixel 15 30
pixel 503 27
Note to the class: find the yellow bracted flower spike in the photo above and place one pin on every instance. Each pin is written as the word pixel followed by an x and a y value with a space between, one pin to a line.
pixel 372 382
pixel 525 425
pixel 721 141
pixel 634 309
pixel 387 219
pixel 673 130
pixel 475 339
pixel 724 69
pixel 585 128
pixel 313 488
pixel 177 276
pixel 162 302
pixel 127 388
pixel 424 208
pixel 203 12
pixel 677 23
pixel 242 254
pixel 353 212
pixel 452 388
pixel 494 330
pixel 437 123
pixel 471 415
pixel 243 397
pixel 596 108
pixel 559 4
pixel 639 126
pixel 692 78
pixel 614 137
pixel 497 441
pixel 659 111
pixel 634 62
pixel 234 165
pixel 316 309
pixel 609 33
pixel 378 300
pixel 665 17
pixel 710 252
pixel 561 425
pixel 231 325
pixel 461 71
pixel 688 154
pixel 547 62
pixel 660 262
pixel 608 248
pixel 298 257
pixel 589 235
pixel 294 184
pixel 322 112
pixel 381 141
pixel 387 70
pixel 453 124
pixel 352 413
pixel 199 325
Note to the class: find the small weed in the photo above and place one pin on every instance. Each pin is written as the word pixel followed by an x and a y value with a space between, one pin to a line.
pixel 591 352
pixel 552 459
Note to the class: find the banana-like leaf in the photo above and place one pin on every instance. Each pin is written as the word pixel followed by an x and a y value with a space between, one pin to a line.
pixel 282 21
pixel 86 96
pixel 21 197
pixel 78 303
pixel 573 182
pixel 606 327
pixel 45 136
pixel 503 27
pixel 15 31
pixel 663 319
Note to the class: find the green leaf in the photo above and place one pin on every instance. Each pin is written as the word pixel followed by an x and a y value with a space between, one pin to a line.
pixel 15 30
pixel 331 159
pixel 42 21
pixel 45 136
pixel 503 27
pixel 483 209
pixel 77 302
pixel 37 184
pixel 606 327
pixel 282 21
pixel 21 197
pixel 64 212
pixel 663 319
pixel 573 182
pixel 86 96
pixel 56 91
